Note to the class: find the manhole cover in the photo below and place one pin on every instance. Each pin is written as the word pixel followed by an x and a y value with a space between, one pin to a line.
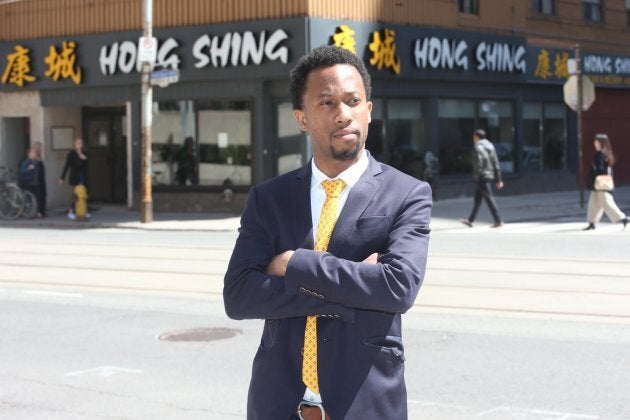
pixel 200 334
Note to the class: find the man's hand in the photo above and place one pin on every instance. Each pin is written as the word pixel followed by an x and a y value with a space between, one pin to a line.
pixel 279 263
pixel 499 185
pixel 372 259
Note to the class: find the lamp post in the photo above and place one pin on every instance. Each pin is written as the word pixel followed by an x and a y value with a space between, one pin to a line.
pixel 580 100
pixel 146 205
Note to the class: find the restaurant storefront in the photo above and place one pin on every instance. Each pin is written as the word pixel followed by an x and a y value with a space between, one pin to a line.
pixel 227 123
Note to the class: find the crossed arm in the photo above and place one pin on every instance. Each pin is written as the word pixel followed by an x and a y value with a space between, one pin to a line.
pixel 303 282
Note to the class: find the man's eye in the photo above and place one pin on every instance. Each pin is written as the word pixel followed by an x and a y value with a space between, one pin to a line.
pixel 355 101
pixel 327 103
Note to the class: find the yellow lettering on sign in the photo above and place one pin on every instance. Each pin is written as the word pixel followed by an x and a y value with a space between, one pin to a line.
pixel 561 70
pixel 344 38
pixel 543 67
pixel 384 51
pixel 62 64
pixel 18 68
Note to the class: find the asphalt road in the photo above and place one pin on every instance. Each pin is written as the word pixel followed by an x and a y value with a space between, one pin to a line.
pixel 528 322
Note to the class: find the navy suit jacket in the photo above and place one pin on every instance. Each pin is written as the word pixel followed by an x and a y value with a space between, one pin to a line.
pixel 360 350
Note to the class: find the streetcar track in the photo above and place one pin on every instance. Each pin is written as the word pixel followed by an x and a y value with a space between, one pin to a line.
pixel 429 270
pixel 528 272
pixel 117 270
pixel 524 311
pixel 527 258
pixel 126 257
pixel 416 305
pixel 105 287
pixel 135 245
pixel 563 291
pixel 426 284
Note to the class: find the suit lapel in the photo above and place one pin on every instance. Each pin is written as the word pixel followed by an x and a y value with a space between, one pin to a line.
pixel 358 199
pixel 301 208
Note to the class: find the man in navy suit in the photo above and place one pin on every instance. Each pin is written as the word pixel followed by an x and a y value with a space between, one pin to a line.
pixel 358 288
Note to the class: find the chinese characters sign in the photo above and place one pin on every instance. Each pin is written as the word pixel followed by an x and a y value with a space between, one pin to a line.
pixel 250 50
pixel 546 67
pixel 62 64
pixel 384 51
pixel 433 52
pixel 18 69
pixel 604 70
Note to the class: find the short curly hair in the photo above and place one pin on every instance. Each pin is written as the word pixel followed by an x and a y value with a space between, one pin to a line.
pixel 324 56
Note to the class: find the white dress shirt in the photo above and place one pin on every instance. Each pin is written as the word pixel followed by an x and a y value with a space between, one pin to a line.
pixel 318 196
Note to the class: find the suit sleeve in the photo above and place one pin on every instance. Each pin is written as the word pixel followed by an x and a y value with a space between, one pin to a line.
pixel 392 284
pixel 250 293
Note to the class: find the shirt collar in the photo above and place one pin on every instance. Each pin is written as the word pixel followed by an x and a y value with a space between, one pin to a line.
pixel 350 176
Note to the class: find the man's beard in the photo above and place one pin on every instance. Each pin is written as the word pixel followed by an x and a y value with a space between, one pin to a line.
pixel 347 155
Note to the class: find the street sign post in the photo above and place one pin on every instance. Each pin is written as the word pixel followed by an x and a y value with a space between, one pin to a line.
pixel 147 49
pixel 571 92
pixel 149 44
pixel 163 78
pixel 579 95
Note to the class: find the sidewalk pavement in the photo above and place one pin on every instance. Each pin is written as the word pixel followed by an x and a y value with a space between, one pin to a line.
pixel 563 206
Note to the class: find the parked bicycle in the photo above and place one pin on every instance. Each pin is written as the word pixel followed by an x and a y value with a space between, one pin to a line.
pixel 14 201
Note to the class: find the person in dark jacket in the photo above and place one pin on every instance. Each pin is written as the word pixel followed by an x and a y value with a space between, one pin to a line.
pixel 485 170
pixel 41 173
pixel 187 163
pixel 76 169
pixel 29 177
pixel 601 201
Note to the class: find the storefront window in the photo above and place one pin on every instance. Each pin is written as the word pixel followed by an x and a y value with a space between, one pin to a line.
pixel 496 117
pixel 225 142
pixel 458 118
pixel 406 135
pixel 532 136
pixel 206 145
pixel 173 139
pixel 456 122
pixel 374 142
pixel 554 138
pixel 291 149
pixel 544 136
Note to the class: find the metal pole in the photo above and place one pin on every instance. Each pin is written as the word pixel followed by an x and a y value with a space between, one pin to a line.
pixel 146 206
pixel 580 100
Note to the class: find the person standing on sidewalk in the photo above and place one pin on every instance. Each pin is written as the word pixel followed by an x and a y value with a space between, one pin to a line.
pixel 485 170
pixel 330 255
pixel 601 201
pixel 29 177
pixel 41 172
pixel 76 168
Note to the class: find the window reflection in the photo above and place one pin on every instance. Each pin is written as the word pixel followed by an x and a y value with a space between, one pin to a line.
pixel 496 117
pixel 202 143
pixel 397 134
pixel 406 133
pixel 456 124
pixel 291 148
pixel 458 118
pixel 224 142
pixel 173 122
pixel 544 143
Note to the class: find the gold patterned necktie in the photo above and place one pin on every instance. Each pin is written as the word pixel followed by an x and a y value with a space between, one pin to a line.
pixel 327 221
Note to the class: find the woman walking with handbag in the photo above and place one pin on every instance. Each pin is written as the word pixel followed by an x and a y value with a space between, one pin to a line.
pixel 601 185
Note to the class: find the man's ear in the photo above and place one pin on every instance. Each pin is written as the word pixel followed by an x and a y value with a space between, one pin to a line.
pixel 301 119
